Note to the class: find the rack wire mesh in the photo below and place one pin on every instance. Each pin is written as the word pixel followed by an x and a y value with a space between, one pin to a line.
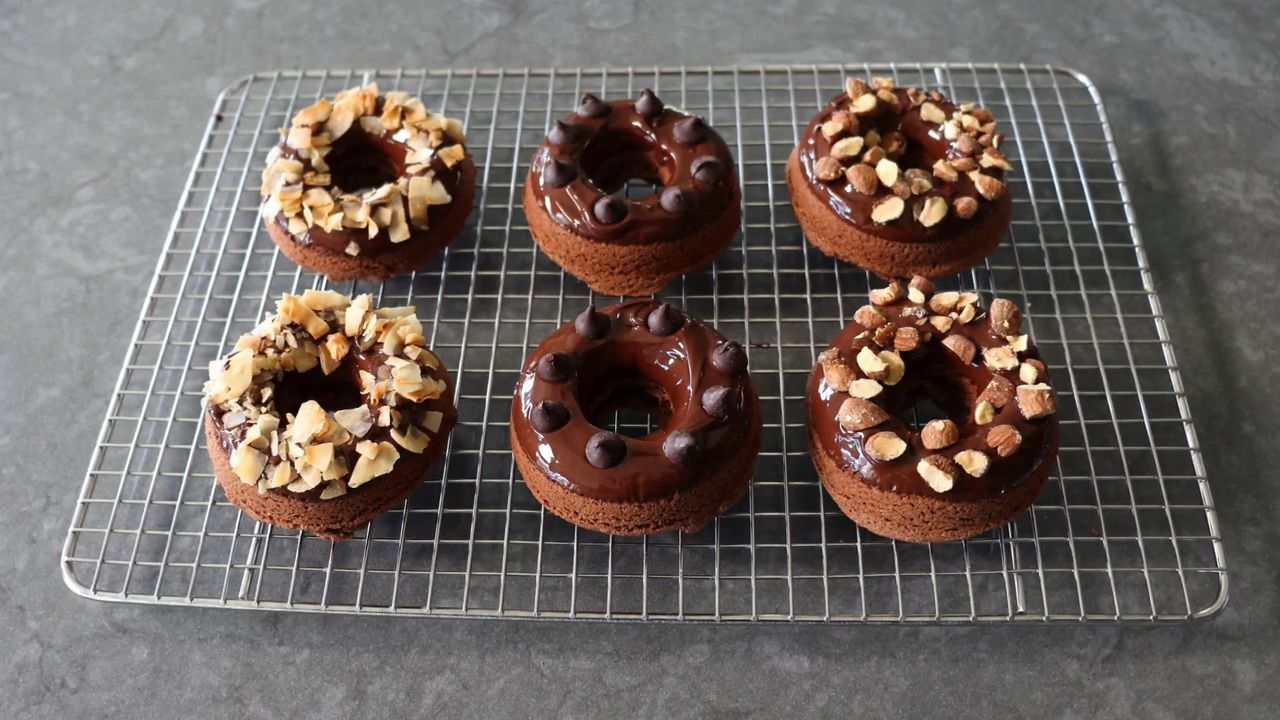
pixel 1125 531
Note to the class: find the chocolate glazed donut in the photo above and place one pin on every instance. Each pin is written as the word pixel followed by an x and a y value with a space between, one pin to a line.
pixel 621 246
pixel 901 181
pixel 957 476
pixel 640 354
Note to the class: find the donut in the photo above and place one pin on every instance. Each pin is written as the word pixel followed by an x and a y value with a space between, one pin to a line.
pixel 959 475
pixel 367 186
pixel 639 355
pixel 901 181
pixel 328 413
pixel 621 246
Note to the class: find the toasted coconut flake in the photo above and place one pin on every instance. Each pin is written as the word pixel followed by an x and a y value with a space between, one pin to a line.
pixel 352 319
pixel 340 120
pixel 452 155
pixel 411 439
pixel 282 475
pixel 324 300
pixel 319 456
pixel 317 112
pixel 237 376
pixel 309 421
pixel 293 310
pixel 299 137
pixel 419 192
pixel 357 421
pixel 396 312
pixel 432 420
pixel 383 459
pixel 248 463
pixel 334 489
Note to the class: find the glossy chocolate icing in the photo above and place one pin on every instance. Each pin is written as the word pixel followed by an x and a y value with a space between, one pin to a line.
pixel 925 144
pixel 932 371
pixel 629 357
pixel 604 149
pixel 381 158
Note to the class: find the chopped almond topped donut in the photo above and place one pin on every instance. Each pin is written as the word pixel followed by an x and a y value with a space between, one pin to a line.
pixel 327 413
pixel 901 181
pixel 958 475
pixel 368 185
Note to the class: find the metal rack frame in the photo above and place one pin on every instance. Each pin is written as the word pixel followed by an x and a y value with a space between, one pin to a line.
pixel 1125 531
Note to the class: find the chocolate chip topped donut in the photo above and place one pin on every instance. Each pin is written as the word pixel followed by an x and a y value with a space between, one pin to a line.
pixel 956 476
pixel 367 186
pixel 327 414
pixel 636 355
pixel 622 246
pixel 901 181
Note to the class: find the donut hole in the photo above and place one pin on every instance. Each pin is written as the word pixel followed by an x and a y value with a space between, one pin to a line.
pixel 935 398
pixel 626 165
pixel 633 407
pixel 358 161
pixel 335 391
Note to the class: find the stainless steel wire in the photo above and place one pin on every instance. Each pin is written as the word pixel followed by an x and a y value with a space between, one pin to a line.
pixel 1125 531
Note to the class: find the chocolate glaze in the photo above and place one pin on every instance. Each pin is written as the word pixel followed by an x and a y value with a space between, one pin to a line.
pixel 621 144
pixel 629 357
pixel 372 155
pixel 925 144
pixel 314 382
pixel 931 371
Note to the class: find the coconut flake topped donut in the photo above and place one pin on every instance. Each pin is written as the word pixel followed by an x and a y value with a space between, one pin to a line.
pixel 327 413
pixel 901 181
pixel 368 185
pixel 956 476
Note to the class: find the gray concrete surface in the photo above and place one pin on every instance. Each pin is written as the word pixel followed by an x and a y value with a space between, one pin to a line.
pixel 103 103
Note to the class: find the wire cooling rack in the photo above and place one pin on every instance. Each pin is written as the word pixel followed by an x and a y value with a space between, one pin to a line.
pixel 1125 531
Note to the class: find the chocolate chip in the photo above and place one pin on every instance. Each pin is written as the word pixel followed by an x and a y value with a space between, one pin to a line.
pixel 609 209
pixel 590 324
pixel 562 133
pixel 648 105
pixel 593 107
pixel 606 449
pixel 549 416
pixel 729 358
pixel 682 448
pixel 555 367
pixel 707 169
pixel 690 131
pixel 719 401
pixel 558 173
pixel 677 200
pixel 663 320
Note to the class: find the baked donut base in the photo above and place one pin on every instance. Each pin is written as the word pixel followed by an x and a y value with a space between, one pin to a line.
pixel 630 269
pixel 335 519
pixel 891 258
pixel 919 518
pixel 689 510
pixel 400 259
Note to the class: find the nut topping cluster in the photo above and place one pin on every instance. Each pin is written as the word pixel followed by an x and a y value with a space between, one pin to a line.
pixel 297 180
pixel 901 319
pixel 340 450
pixel 870 159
